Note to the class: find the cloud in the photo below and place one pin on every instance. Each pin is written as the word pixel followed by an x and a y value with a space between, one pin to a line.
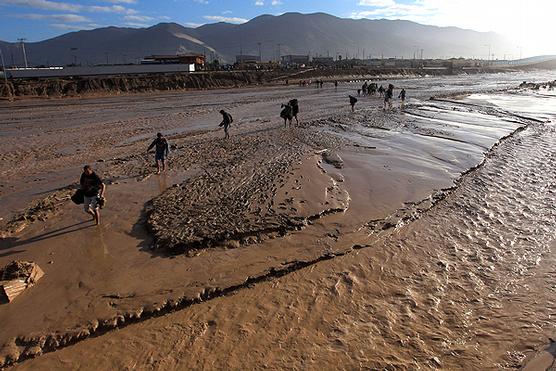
pixel 259 3
pixel 201 1
pixel 193 24
pixel 138 18
pixel 276 2
pixel 44 4
pixel 220 18
pixel 120 1
pixel 69 7
pixel 377 3
pixel 68 18
pixel 109 9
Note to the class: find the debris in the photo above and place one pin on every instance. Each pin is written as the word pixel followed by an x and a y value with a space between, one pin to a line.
pixel 16 277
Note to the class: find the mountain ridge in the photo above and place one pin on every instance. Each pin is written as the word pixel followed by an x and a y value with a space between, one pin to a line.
pixel 289 33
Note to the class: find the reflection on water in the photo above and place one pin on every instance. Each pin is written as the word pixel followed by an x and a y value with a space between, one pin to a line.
pixel 476 257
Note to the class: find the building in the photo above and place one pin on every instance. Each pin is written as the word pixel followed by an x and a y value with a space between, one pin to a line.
pixel 197 59
pixel 248 59
pixel 323 61
pixel 84 71
pixel 295 60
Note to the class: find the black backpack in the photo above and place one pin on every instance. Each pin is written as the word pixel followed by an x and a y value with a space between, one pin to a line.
pixel 78 197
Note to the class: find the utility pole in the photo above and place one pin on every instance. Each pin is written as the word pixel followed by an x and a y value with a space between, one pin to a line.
pixel 260 52
pixel 421 54
pixel 279 52
pixel 5 73
pixel 488 59
pixel 22 42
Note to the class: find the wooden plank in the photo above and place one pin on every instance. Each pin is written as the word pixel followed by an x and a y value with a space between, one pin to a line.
pixel 11 289
pixel 36 274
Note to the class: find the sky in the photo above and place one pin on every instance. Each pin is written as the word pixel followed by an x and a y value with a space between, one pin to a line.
pixel 529 23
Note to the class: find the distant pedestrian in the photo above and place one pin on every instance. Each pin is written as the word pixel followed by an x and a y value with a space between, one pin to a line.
pixel 321 83
pixel 294 103
pixel 364 88
pixel 352 101
pixel 388 96
pixel 93 191
pixel 336 84
pixel 381 91
pixel 402 97
pixel 358 92
pixel 287 114
pixel 162 149
pixel 227 120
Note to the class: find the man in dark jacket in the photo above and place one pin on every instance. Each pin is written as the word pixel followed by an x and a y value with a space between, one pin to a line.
pixel 162 149
pixel 93 190
pixel 402 97
pixel 287 114
pixel 226 122
pixel 352 101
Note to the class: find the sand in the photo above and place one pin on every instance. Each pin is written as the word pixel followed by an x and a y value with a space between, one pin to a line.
pixel 324 244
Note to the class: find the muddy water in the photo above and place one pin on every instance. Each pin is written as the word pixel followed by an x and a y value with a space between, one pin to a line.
pixel 469 285
pixel 442 282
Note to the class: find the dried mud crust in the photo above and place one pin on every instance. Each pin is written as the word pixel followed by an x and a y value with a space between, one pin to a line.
pixel 233 200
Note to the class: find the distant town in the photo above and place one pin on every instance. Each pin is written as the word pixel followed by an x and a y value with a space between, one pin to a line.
pixel 189 63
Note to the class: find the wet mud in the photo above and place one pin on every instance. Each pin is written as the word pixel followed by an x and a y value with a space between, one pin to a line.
pixel 295 207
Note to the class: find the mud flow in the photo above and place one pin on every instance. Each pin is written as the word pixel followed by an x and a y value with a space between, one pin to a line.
pixel 420 237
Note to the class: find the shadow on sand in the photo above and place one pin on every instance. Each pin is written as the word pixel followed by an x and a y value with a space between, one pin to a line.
pixel 11 242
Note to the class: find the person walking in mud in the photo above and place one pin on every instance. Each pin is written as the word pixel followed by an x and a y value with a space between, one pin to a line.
pixel 295 109
pixel 93 193
pixel 227 120
pixel 162 149
pixel 364 88
pixel 287 114
pixel 381 91
pixel 372 89
pixel 402 98
pixel 388 96
pixel 352 101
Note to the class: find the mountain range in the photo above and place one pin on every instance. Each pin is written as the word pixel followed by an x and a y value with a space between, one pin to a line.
pixel 290 33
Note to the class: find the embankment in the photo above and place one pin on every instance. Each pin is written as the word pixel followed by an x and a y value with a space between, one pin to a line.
pixel 81 86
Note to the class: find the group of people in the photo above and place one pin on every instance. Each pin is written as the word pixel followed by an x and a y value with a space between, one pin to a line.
pixel 373 88
pixel 92 188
